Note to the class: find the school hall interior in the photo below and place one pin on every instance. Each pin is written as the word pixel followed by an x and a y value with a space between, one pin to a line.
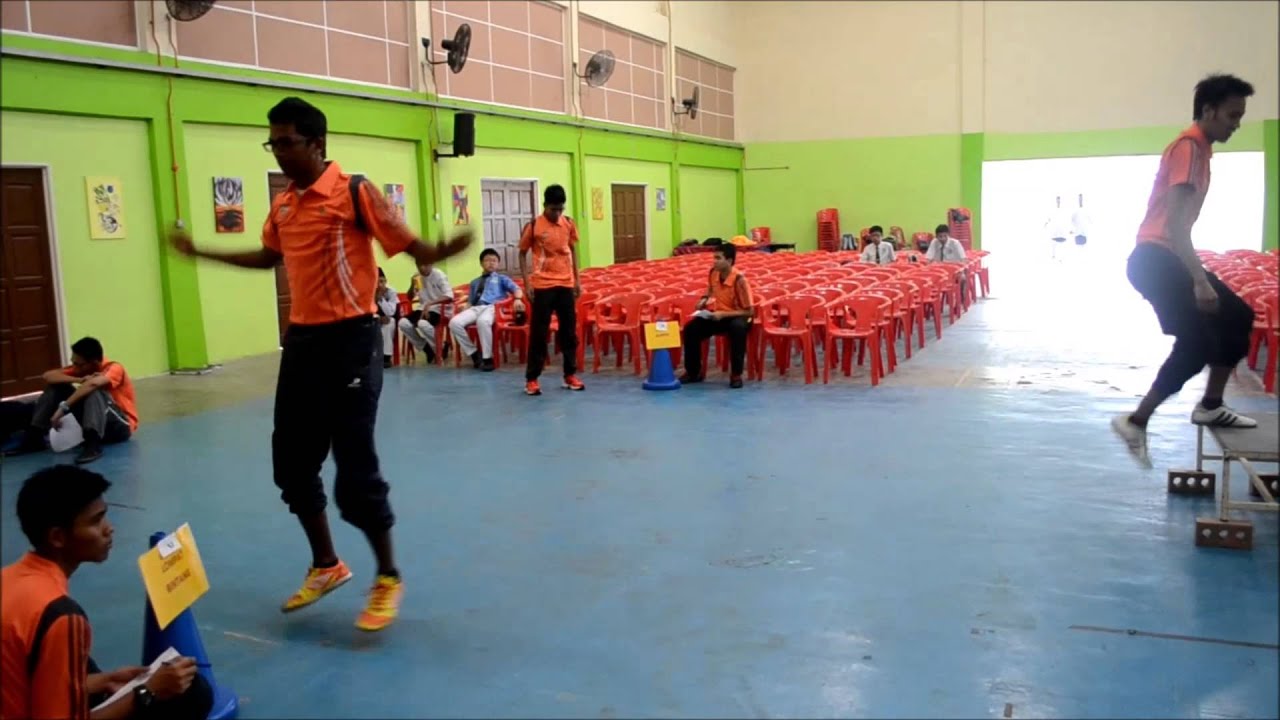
pixel 924 514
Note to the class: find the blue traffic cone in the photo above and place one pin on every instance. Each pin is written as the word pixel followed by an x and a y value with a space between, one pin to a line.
pixel 661 375
pixel 183 635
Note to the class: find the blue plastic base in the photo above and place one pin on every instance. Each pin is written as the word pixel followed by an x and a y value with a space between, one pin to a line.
pixel 225 704
pixel 661 375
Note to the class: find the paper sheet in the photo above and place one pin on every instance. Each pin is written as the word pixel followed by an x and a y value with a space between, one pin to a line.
pixel 703 314
pixel 167 656
pixel 68 436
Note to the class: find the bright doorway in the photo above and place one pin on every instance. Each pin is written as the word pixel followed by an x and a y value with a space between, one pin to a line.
pixel 1021 214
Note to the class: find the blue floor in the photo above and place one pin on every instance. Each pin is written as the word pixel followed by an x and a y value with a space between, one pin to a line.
pixel 921 549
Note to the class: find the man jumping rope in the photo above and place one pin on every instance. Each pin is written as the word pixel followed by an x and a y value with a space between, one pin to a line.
pixel 1210 323
pixel 331 366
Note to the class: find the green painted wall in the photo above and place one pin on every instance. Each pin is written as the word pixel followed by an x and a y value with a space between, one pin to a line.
pixel 190 297
pixel 239 317
pixel 910 181
pixel 604 173
pixel 905 181
pixel 110 288
pixel 545 168
pixel 709 208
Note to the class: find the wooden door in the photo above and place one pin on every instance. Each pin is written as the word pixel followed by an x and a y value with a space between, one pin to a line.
pixel 506 206
pixel 276 183
pixel 628 223
pixel 29 340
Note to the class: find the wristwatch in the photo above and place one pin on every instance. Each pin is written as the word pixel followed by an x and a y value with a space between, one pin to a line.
pixel 64 407
pixel 142 697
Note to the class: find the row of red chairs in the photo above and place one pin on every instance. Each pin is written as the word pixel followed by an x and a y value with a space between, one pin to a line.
pixel 823 291
pixel 1255 277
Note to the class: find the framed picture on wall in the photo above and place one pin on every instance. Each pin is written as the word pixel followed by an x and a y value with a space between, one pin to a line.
pixel 395 196
pixel 228 204
pixel 106 208
pixel 662 198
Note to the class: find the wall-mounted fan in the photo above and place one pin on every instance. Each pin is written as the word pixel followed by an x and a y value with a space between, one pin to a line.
pixel 690 105
pixel 599 68
pixel 455 49
pixel 187 10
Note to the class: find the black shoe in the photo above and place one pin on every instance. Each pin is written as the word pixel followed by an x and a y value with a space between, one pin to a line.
pixel 475 359
pixel 30 443
pixel 88 453
pixel 386 361
pixel 487 365
pixel 687 379
pixel 431 355
pixel 735 382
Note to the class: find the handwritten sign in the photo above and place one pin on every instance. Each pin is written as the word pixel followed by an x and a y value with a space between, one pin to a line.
pixel 173 575
pixel 662 335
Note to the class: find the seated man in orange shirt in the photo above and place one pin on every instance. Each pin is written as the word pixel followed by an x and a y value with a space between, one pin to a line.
pixel 45 640
pixel 103 403
pixel 730 294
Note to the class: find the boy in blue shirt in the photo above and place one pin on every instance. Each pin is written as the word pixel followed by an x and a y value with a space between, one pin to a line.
pixel 491 287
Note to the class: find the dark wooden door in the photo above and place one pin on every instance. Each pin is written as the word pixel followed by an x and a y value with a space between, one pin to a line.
pixel 29 340
pixel 628 223
pixel 506 207
pixel 276 183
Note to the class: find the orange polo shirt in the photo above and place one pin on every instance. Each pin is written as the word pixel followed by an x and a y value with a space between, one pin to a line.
pixel 330 263
pixel 552 244
pixel 1184 162
pixel 44 644
pixel 120 387
pixel 730 294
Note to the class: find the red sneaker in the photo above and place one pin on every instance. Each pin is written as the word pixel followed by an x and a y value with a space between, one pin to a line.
pixel 573 383
pixel 532 388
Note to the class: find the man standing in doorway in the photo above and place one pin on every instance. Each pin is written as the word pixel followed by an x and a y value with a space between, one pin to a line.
pixel 553 287
pixel 1210 323
pixel 330 369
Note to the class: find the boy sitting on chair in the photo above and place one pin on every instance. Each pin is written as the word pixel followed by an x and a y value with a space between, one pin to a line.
pixel 728 290
pixel 420 327
pixel 491 287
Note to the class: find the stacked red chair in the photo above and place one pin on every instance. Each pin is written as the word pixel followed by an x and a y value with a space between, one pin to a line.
pixel 829 230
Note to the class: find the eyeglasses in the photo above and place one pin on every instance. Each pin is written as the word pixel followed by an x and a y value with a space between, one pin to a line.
pixel 283 143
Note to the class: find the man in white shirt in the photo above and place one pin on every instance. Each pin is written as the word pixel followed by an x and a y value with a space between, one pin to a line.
pixel 420 328
pixel 943 247
pixel 877 250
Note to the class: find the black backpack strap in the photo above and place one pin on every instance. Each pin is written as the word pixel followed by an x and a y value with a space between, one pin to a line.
pixel 54 611
pixel 356 182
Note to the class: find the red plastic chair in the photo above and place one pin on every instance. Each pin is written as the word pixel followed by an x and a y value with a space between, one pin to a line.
pixel 624 325
pixel 861 321
pixel 789 319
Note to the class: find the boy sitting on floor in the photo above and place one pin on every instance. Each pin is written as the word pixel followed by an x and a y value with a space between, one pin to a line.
pixel 45 641
pixel 103 404
pixel 489 288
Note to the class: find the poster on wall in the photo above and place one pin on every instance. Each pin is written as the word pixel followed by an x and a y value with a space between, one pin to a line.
pixel 228 204
pixel 597 203
pixel 662 198
pixel 106 208
pixel 395 196
pixel 461 215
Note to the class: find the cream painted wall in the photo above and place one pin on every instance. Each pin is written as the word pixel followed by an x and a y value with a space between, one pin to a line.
pixel 1059 66
pixel 877 69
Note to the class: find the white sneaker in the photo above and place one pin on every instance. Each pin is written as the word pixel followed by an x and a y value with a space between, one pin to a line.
pixel 1134 437
pixel 1221 416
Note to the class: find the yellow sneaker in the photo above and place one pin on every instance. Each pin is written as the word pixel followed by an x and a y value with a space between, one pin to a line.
pixel 384 604
pixel 319 582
